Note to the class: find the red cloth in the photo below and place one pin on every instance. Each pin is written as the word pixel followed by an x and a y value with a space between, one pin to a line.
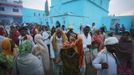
pixel 2 31
pixel 78 45
pixel 123 68
pixel 14 35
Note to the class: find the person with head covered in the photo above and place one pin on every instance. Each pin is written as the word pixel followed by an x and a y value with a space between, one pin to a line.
pixel 106 60
pixel 25 62
pixel 9 51
pixel 72 55
pixel 58 38
pixel 41 51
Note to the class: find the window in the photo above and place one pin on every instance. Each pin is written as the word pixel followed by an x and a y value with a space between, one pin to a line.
pixel 2 9
pixel 15 10
pixel 100 2
pixel 3 0
pixel 34 14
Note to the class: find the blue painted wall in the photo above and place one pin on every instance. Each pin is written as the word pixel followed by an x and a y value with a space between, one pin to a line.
pixel 33 16
pixel 126 20
pixel 83 11
pixel 95 11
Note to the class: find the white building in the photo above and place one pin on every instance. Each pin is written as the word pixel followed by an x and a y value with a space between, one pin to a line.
pixel 10 11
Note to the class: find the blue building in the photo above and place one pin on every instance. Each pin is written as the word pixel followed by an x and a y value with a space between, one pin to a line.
pixel 33 16
pixel 111 21
pixel 77 12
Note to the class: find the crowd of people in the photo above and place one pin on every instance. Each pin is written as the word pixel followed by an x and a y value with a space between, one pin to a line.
pixel 39 50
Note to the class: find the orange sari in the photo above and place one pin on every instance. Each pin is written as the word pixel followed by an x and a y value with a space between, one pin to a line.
pixel 78 46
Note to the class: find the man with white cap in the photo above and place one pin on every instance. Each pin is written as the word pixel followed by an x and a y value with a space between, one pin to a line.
pixel 106 60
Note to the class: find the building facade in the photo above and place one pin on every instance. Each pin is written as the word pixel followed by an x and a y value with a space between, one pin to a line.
pixel 33 16
pixel 77 12
pixel 10 11
pixel 111 21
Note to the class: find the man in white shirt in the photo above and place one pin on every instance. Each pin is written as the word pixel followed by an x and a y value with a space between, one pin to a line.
pixel 106 60
pixel 93 29
pixel 86 37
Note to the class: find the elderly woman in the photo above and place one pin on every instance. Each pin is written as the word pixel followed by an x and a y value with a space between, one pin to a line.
pixel 41 51
pixel 6 56
pixel 25 62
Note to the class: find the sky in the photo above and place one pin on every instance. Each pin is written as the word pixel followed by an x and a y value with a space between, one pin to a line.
pixel 116 7
pixel 121 7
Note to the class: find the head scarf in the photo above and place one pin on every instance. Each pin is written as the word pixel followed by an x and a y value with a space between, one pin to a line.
pixel 25 47
pixel 7 55
pixel 29 37
pixel 78 46
pixel 70 27
pixel 6 46
pixel 39 39
pixel 64 39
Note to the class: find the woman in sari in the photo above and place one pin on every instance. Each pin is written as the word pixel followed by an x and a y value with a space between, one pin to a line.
pixel 41 51
pixel 72 55
pixel 6 56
